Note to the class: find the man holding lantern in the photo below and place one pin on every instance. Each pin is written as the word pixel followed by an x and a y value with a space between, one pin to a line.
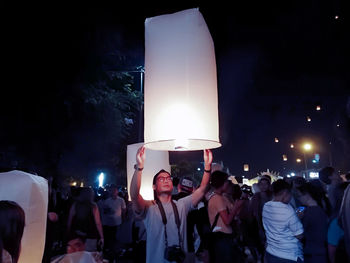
pixel 165 219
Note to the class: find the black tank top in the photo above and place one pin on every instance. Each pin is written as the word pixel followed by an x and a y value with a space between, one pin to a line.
pixel 84 220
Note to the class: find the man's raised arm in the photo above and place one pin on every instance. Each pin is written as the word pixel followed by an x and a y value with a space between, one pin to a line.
pixel 200 192
pixel 138 201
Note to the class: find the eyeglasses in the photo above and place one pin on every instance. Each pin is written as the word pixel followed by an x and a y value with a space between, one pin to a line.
pixel 164 179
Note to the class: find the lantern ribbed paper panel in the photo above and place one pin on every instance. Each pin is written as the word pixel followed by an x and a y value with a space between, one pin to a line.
pixel 181 102
pixel 31 193
pixel 155 161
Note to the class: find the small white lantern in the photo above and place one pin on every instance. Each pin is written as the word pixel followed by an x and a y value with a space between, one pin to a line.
pixel 246 167
pixel 285 157
pixel 155 161
pixel 31 193
pixel 181 101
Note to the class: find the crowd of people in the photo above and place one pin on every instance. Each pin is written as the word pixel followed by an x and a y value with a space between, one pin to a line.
pixel 284 220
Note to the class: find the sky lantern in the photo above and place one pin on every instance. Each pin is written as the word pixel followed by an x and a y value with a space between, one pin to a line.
pixel 246 167
pixel 180 94
pixel 285 157
pixel 31 193
pixel 276 140
pixel 155 161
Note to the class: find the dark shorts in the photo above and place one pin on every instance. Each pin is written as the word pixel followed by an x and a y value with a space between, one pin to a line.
pixel 273 259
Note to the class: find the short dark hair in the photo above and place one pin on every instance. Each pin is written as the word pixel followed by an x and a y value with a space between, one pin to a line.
pixel 155 180
pixel 218 178
pixel 347 176
pixel 265 177
pixel 279 186
pixel 155 177
pixel 12 220
pixel 325 173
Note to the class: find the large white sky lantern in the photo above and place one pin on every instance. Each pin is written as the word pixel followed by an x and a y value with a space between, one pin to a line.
pixel 31 193
pixel 181 101
pixel 155 161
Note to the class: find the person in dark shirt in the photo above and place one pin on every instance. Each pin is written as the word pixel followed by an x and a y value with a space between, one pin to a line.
pixel 314 219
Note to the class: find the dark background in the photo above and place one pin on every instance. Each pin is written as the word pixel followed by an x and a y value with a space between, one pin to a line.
pixel 276 61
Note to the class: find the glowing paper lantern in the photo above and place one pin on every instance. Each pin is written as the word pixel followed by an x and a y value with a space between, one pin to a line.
pixel 285 157
pixel 276 140
pixel 155 161
pixel 31 193
pixel 181 102
pixel 246 167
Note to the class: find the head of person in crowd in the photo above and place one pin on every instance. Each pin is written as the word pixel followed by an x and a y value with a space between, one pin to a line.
pixel 76 243
pixel 264 183
pixel 185 185
pixel 86 195
pixel 236 191
pixel 298 181
pixel 219 181
pixel 329 176
pixel 338 197
pixel 113 191
pixel 281 191
pixel 312 193
pixel 247 191
pixel 162 184
pixel 12 220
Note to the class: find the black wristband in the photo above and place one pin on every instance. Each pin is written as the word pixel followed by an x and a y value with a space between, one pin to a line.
pixel 207 171
pixel 137 168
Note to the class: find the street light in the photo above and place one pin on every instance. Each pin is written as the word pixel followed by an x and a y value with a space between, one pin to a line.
pixel 306 147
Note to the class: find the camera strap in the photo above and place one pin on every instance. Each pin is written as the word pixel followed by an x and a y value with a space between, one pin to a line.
pixel 177 220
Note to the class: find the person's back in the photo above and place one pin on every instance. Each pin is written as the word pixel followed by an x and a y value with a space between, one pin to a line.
pixel 282 226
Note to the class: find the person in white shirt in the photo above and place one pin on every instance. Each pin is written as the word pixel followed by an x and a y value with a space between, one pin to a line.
pixel 113 212
pixel 282 227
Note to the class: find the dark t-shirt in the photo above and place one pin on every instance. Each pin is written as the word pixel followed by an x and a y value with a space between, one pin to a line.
pixel 315 231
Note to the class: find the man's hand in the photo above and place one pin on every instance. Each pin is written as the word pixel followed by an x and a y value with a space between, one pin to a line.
pixel 140 157
pixel 208 158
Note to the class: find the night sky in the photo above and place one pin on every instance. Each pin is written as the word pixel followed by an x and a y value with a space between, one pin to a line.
pixel 276 62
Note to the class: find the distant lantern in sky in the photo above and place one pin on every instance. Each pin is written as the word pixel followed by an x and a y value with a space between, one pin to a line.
pixel 181 100
pixel 291 145
pixel 308 118
pixel 246 167
pixel 285 157
pixel 336 17
pixel 276 140
pixel 318 107
pixel 298 160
